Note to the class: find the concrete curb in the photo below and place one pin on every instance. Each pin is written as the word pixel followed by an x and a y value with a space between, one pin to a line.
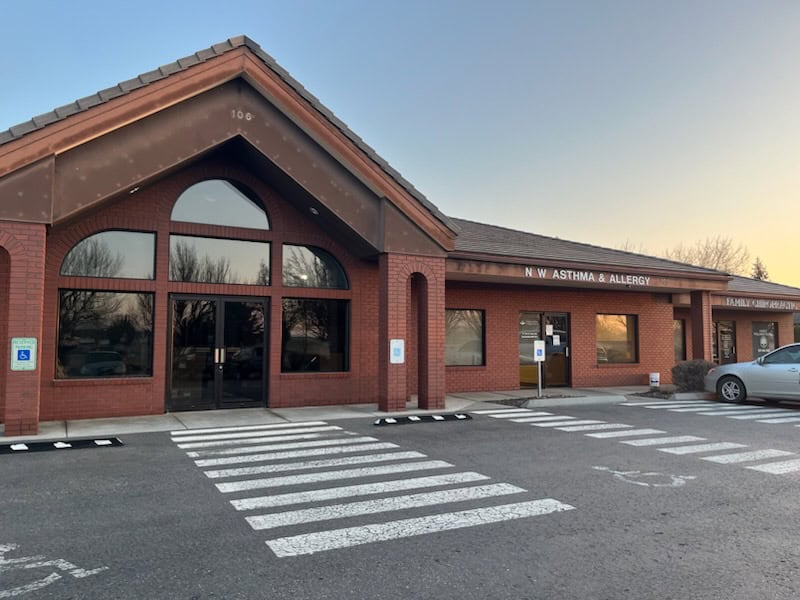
pixel 572 401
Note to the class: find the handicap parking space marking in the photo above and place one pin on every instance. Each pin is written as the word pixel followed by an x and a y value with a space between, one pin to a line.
pixel 57 567
pixel 648 478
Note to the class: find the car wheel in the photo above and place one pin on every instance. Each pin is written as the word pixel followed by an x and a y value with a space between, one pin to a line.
pixel 731 389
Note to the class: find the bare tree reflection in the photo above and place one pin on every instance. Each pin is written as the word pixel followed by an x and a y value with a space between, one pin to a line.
pixel 92 257
pixel 305 266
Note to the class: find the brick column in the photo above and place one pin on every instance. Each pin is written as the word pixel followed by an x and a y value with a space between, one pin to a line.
pixel 700 313
pixel 25 245
pixel 395 273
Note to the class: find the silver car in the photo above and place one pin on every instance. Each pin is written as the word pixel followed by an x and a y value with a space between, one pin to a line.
pixel 774 376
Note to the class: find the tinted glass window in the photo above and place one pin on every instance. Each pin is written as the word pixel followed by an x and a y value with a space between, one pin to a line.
pixel 125 254
pixel 617 338
pixel 314 335
pixel 784 356
pixel 211 260
pixel 104 334
pixel 219 202
pixel 679 339
pixel 307 266
pixel 463 337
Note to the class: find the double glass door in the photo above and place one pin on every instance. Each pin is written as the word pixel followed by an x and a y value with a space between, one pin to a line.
pixel 218 357
pixel 553 328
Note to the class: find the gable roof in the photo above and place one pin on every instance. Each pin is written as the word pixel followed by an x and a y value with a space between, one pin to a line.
pixel 145 79
pixel 480 238
pixel 747 285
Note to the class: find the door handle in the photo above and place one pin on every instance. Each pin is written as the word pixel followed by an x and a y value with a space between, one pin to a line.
pixel 216 355
pixel 222 355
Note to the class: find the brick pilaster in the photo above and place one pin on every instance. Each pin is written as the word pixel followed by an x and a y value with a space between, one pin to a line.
pixel 700 313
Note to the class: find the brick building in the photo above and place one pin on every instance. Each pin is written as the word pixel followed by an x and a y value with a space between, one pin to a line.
pixel 208 235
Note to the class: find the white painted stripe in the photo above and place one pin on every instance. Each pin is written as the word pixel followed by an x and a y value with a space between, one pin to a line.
pixel 661 402
pixel 727 411
pixel 781 420
pixel 250 434
pixel 663 441
pixel 288 446
pixel 695 409
pixel 562 423
pixel 371 507
pixel 669 405
pixel 624 433
pixel 496 410
pixel 595 427
pixel 353 536
pixel 762 414
pixel 778 468
pixel 541 419
pixel 268 482
pixel 703 448
pixel 746 456
pixel 251 458
pixel 348 491
pixel 313 464
pixel 527 413
pixel 270 437
pixel 182 432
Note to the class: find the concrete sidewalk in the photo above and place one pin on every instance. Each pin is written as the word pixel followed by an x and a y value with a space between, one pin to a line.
pixel 457 402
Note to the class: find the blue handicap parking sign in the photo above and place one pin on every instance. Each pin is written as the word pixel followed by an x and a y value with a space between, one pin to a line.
pixel 23 354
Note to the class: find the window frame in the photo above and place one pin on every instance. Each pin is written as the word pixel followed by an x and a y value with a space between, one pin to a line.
pixel 311 248
pixel 636 357
pixel 482 312
pixel 152 277
pixel 241 187
pixel 347 366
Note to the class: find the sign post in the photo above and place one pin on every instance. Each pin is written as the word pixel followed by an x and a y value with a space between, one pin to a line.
pixel 538 356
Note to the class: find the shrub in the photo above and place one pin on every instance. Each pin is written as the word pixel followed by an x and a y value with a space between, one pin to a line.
pixel 688 375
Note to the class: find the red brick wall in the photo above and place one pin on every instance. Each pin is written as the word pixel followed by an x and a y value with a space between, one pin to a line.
pixel 22 271
pixel 502 305
pixel 149 209
pixel 5 276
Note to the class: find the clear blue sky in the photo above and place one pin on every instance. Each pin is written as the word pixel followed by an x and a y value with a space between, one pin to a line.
pixel 646 122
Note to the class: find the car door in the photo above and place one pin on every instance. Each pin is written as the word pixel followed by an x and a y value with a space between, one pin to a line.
pixel 779 374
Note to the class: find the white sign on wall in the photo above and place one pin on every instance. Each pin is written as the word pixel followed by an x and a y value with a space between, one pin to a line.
pixel 23 354
pixel 397 352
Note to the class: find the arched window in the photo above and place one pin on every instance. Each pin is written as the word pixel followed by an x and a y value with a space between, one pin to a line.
pixel 123 254
pixel 220 202
pixel 307 266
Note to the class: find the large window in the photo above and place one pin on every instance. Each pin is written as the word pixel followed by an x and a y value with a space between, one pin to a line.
pixel 315 335
pixel 104 334
pixel 617 339
pixel 679 339
pixel 211 260
pixel 124 254
pixel 219 202
pixel 464 338
pixel 307 266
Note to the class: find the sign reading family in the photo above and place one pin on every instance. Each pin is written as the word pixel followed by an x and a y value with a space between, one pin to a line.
pixel 587 276
pixel 763 303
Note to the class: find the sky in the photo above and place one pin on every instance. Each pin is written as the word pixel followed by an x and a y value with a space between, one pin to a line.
pixel 631 123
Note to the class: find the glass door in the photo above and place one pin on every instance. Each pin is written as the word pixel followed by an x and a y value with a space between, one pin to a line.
pixel 217 358
pixel 556 364
pixel 530 330
pixel 724 342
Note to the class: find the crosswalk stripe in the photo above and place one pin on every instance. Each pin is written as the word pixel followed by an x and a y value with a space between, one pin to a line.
pixel 232 460
pixel 313 464
pixel 694 409
pixel 624 433
pixel 497 410
pixel 673 405
pixel 661 402
pixel 304 478
pixel 287 446
pixel 250 434
pixel 380 505
pixel 703 448
pixel 781 420
pixel 270 437
pixel 678 439
pixel 182 432
pixel 349 491
pixel 746 456
pixel 352 536
pixel 778 468
pixel 595 427
pixel 540 419
pixel 761 415
pixel 526 413
pixel 727 412
pixel 562 423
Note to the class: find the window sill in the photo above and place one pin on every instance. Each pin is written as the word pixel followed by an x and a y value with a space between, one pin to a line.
pixel 635 365
pixel 316 374
pixel 100 381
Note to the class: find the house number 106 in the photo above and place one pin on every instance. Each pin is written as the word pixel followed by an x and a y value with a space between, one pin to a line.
pixel 240 114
